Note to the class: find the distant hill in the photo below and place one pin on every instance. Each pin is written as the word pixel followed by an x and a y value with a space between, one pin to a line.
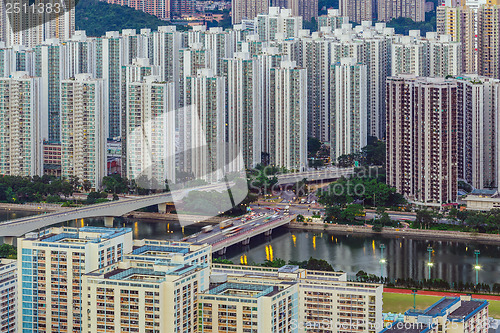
pixel 97 17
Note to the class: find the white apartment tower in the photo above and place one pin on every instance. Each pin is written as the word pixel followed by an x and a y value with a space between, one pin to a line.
pixel 150 132
pixel 83 129
pixel 410 55
pixel 479 99
pixel 288 114
pixel 51 65
pixel 23 125
pixel 109 64
pixel 277 21
pixel 316 59
pixel 135 72
pixel 348 108
pixel 244 116
pixel 333 20
pixel 202 126
pixel 445 56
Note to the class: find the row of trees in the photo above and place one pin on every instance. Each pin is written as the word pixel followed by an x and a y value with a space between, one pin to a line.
pixel 482 222
pixel 17 189
pixel 429 284
pixel 312 263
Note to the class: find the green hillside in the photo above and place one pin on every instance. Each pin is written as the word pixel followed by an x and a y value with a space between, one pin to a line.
pixel 97 17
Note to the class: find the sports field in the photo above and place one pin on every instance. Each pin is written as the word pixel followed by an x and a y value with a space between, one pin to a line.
pixel 399 303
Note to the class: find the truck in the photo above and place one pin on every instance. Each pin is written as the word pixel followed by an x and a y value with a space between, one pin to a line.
pixel 225 224
pixel 207 228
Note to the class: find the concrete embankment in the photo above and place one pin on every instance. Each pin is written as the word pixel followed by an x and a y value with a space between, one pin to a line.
pixel 406 233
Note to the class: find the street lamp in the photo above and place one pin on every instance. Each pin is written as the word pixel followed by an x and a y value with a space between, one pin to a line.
pixel 382 260
pixel 430 263
pixel 476 266
pixel 414 293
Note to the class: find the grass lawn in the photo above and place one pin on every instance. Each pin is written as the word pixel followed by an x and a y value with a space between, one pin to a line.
pixel 399 303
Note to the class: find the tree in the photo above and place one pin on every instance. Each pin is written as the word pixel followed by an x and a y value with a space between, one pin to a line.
pixel 350 213
pixel 424 219
pixel 8 251
pixel 333 213
pixel 319 265
pixel 313 146
pixel 278 262
pixel 86 185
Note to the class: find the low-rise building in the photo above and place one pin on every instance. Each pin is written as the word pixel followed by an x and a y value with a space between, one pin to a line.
pixel 452 315
pixel 326 301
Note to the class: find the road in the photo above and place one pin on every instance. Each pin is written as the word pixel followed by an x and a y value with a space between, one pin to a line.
pixel 245 222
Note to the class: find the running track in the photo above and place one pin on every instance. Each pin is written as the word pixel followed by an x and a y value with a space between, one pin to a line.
pixel 438 293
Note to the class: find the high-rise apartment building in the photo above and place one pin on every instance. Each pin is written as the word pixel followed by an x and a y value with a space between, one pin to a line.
pixel 191 60
pixel 244 117
pixel 348 108
pixel 307 9
pixel 460 24
pixel 166 44
pixel 150 128
pixel 159 8
pixel 412 9
pixel 377 52
pixel 410 55
pixel 247 9
pixel 333 20
pixel 53 263
pixel 288 114
pixel 136 72
pixel 477 148
pixel 488 34
pixel 277 22
pixel 445 56
pixel 202 126
pixel 9 313
pixel 357 10
pixel 316 59
pixel 109 64
pixel 23 125
pixel 422 138
pixel 83 129
pixel 51 65
pixel 182 7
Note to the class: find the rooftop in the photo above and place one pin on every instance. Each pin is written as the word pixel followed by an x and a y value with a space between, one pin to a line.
pixel 436 309
pixel 467 308
pixel 243 290
pixel 82 235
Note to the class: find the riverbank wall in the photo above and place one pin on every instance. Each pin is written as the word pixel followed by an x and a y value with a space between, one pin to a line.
pixel 394 232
